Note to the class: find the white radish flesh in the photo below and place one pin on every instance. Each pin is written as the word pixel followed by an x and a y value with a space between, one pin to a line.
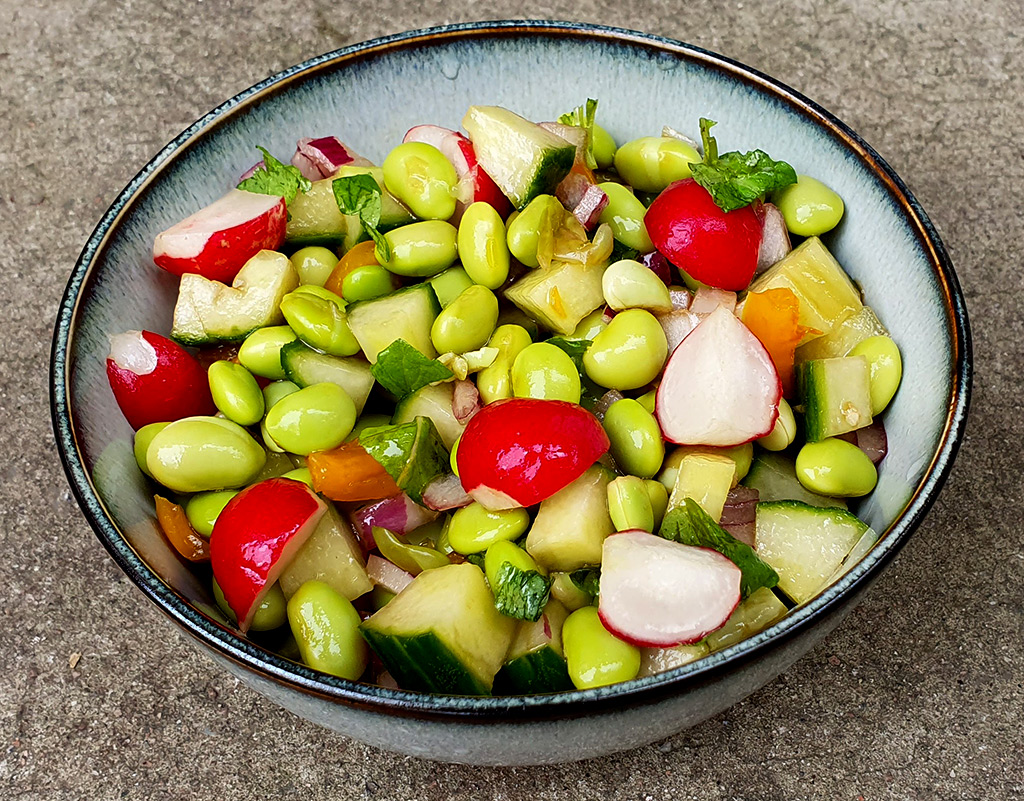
pixel 774 239
pixel 187 239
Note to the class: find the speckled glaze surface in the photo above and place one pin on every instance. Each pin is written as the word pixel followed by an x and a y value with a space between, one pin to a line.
pixel 369 95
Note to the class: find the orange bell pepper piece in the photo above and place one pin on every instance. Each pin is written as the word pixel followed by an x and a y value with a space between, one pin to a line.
pixel 349 473
pixel 174 523
pixel 360 255
pixel 773 317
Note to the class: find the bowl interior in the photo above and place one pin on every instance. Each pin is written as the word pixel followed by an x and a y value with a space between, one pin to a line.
pixel 369 98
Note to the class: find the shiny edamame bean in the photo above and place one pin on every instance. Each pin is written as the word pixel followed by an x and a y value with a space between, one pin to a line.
pixel 467 322
pixel 784 431
pixel 203 509
pixel 565 591
pixel 648 400
pixel 495 381
pixel 412 559
pixel 545 371
pixel 316 418
pixel 450 284
pixel 318 317
pixel 624 214
pixel 629 504
pixel 604 147
pixel 421 177
pixel 366 283
pixel 483 247
pixel 326 627
pixel 196 454
pixel 809 207
pixel 275 390
pixel 473 528
pixel 500 553
pixel 651 163
pixel 636 443
pixel 835 468
pixel 314 264
pixel 886 369
pixel 659 499
pixel 235 392
pixel 300 474
pixel 629 353
pixel 260 354
pixel 596 657
pixel 271 614
pixel 590 326
pixel 422 249
pixel 542 213
pixel 628 284
pixel 143 439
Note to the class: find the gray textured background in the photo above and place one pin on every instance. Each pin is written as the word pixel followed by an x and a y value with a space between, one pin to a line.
pixel 918 695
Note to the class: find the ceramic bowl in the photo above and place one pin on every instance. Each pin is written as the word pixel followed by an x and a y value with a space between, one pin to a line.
pixel 369 94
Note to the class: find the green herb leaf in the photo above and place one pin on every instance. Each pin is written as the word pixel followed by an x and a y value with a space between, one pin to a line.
pixel 737 179
pixel 583 117
pixel 519 593
pixel 691 525
pixel 575 348
pixel 411 453
pixel 620 252
pixel 476 559
pixel 275 178
pixel 401 369
pixel 587 580
pixel 360 195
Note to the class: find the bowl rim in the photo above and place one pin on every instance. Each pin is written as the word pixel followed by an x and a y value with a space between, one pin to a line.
pixel 231 646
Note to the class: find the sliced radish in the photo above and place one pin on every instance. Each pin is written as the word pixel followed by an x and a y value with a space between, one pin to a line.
pixel 387 574
pixel 321 157
pixel 708 299
pixel 719 387
pixel 216 241
pixel 677 325
pixel 656 593
pixel 775 244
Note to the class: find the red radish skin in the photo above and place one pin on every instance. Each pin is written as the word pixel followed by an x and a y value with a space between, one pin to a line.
pixel 520 451
pixel 155 380
pixel 217 240
pixel 256 536
pixel 321 157
pixel 656 593
pixel 719 387
pixel 715 247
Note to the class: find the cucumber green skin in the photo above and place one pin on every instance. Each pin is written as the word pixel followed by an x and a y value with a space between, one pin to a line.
pixel 540 671
pixel 191 341
pixel 306 366
pixel 810 512
pixel 377 326
pixel 422 662
pixel 814 385
pixel 548 173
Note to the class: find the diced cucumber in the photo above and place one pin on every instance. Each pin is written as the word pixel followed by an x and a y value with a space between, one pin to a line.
pixel 836 396
pixel 392 212
pixel 209 312
pixel 306 366
pixel 559 296
pixel 850 332
pixel 412 453
pixel 774 477
pixel 827 296
pixel 524 159
pixel 315 219
pixel 442 633
pixel 331 555
pixel 571 526
pixel 707 478
pixel 406 314
pixel 565 591
pixel 658 660
pixel 756 613
pixel 858 552
pixel 535 662
pixel 434 402
pixel 805 544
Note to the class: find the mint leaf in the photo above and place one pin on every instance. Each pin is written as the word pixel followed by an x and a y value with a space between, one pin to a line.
pixel 275 178
pixel 360 195
pixel 583 117
pixel 411 453
pixel 736 179
pixel 587 580
pixel 689 524
pixel 575 348
pixel 521 594
pixel 401 369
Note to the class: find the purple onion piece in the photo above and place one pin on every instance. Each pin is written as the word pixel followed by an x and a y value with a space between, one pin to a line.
pixel 739 515
pixel 775 244
pixel 444 493
pixel 465 400
pixel 871 439
pixel 660 266
pixel 249 172
pixel 399 514
pixel 321 158
pixel 604 403
pixel 585 199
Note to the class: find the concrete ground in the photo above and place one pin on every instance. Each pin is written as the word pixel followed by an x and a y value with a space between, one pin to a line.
pixel 917 696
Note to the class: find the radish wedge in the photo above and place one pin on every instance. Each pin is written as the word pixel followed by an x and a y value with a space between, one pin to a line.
pixel 720 387
pixel 656 593
pixel 216 241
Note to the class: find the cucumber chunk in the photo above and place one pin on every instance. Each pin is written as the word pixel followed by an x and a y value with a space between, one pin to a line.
pixel 306 366
pixel 836 396
pixel 406 314
pixel 560 296
pixel 754 614
pixel 774 477
pixel 849 333
pixel 331 555
pixel 658 660
pixel 315 219
pixel 435 403
pixel 571 526
pixel 535 662
pixel 412 453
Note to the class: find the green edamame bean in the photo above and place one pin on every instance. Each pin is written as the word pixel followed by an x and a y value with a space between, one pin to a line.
pixel 275 390
pixel 545 371
pixel 235 392
pixel 422 249
pixel 604 147
pixel 596 657
pixel 886 369
pixel 366 283
pixel 271 613
pixel 648 400
pixel 495 381
pixel 203 509
pixel 473 528
pixel 809 207
pixel 196 454
pixel 741 455
pixel 565 591
pixel 318 317
pixel 629 504
pixel 835 468
pixel 624 214
pixel 453 458
pixel 627 284
pixel 314 264
pixel 500 553
pixel 784 431
pixel 326 628
pixel 412 559
pixel 467 322
pixel 421 177
pixel 450 284
pixel 300 474
pixel 316 418
pixel 629 353
pixel 651 163
pixel 427 534
pixel 367 421
pixel 659 499
pixel 143 439
pixel 542 213
pixel 483 248
pixel 590 326
pixel 260 354
pixel 636 443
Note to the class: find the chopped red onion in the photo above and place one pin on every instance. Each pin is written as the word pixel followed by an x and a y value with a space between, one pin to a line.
pixel 775 243
pixel 605 401
pixel 871 439
pixel 585 199
pixel 387 574
pixel 321 158
pixel 672 133
pixel 659 265
pixel 681 299
pixel 445 493
pixel 739 514
pixel 465 400
pixel 249 172
pixel 399 514
pixel 677 324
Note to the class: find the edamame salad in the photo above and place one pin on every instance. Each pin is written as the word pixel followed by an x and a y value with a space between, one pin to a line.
pixel 518 410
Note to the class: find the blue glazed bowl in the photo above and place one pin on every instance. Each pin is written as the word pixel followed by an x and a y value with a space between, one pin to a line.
pixel 369 94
